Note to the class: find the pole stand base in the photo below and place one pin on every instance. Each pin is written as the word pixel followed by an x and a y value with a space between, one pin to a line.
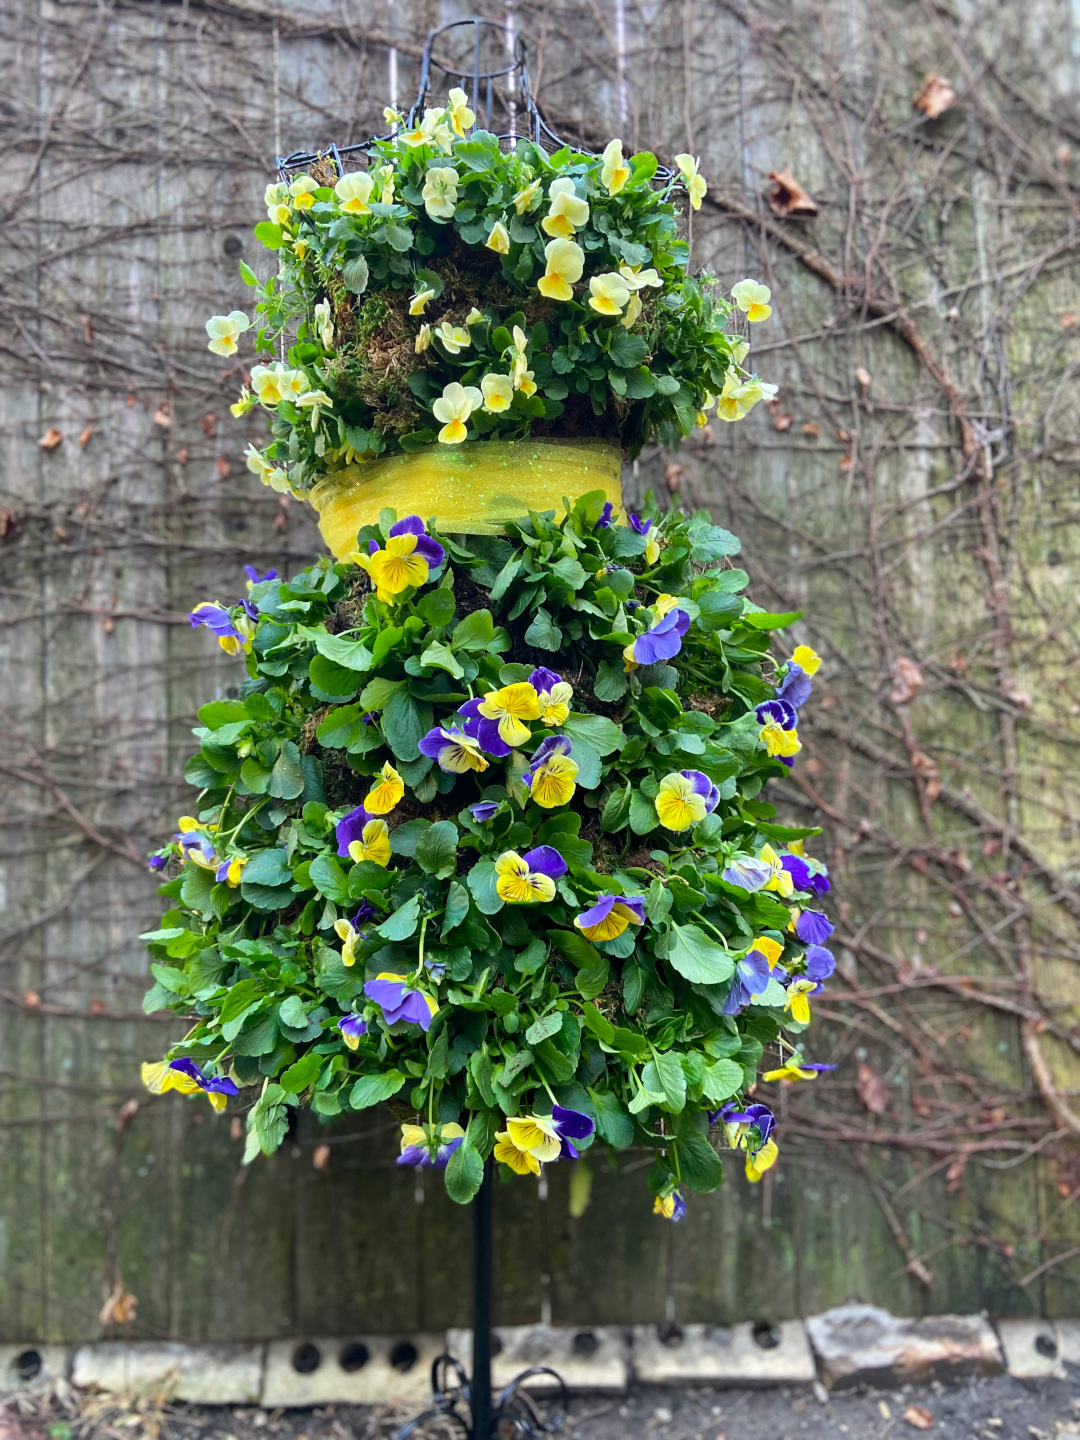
pixel 513 1412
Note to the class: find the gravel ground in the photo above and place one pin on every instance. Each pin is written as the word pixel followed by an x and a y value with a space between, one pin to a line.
pixel 996 1409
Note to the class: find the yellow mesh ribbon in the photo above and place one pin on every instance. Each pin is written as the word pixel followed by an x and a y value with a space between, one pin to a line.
pixel 470 489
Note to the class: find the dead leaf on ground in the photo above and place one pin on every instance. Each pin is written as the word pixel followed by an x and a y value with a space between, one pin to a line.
pixel 907 679
pixel 119 1307
pixel 870 1089
pixel 51 439
pixel 84 438
pixel 789 199
pixel 935 97
pixel 919 1418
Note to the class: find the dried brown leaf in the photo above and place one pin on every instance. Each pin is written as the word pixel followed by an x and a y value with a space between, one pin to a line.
pixel 935 97
pixel 907 679
pixel 127 1112
pixel 223 467
pixel 789 199
pixel 812 429
pixel 781 418
pixel 321 1157
pixel 51 439
pixel 162 416
pixel 208 424
pixel 870 1089
pixel 862 375
pixel 120 1306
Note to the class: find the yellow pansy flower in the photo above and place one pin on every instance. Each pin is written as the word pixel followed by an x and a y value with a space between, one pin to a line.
pixel 637 279
pixel 695 183
pixel 760 1161
pixel 523 200
pixel 233 876
pixel 268 473
pixel 499 239
pixel 498 392
pixel 276 200
pixel 752 298
pixel 440 192
pixel 664 604
pixel 394 568
pixel 551 783
pixel 276 382
pixel 535 1135
pixel 324 324
pixel 454 337
pixel 519 883
pixel 678 804
pixel 520 1161
pixel 224 331
pixel 633 310
pixel 432 129
pixel 384 178
pixel 614 172
pixel 555 703
pixel 458 113
pixel 739 397
pixel 797 1001
pixel 389 786
pixel 511 706
pixel 567 212
pixel 419 302
pixel 453 408
pixel 353 193
pixel 608 294
pixel 808 661
pixel 302 192
pixel 777 740
pixel 349 937
pixel 315 401
pixel 423 339
pixel 565 262
pixel 392 115
pixel 158 1077
pixel 780 880
pixel 373 845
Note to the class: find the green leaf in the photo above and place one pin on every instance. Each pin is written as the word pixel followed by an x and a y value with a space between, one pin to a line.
pixel 464 1173
pixel 299 1076
pixel 699 1164
pixel 374 1089
pixel 543 633
pixel 240 998
pixel 268 235
pixel 643 816
pixel 436 850
pixel 697 958
pixel 330 681
pixel 664 1076
pixel 355 274
pixel 711 542
pixel 287 776
pixel 399 237
pixel 571 571
pixel 436 607
pixel 352 654
pixel 481 881
pixel 217 713
pixel 267 867
pixel 441 657
pixel 405 723
pixel 475 632
pixel 544 1028
pixel 762 620
pixel 721 1080
pixel 597 730
pixel 627 350
pixel 610 683
pixel 342 728
pixel 377 693
pixel 291 1012
pixel 591 979
pixel 402 923
pixel 575 947
pixel 329 879
pixel 457 907
pixel 616 811
pixel 613 1124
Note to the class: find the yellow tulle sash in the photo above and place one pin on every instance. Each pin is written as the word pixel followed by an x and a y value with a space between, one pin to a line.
pixel 469 489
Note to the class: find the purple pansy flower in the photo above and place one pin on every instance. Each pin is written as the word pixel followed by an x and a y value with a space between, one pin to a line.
pixel 218 1085
pixel 192 843
pixel 704 787
pixel 795 687
pixel 430 549
pixel 543 679
pixel 752 974
pixel 398 1002
pixel 820 964
pixel 352 1027
pixel 747 872
pixel 349 828
pixel 813 927
pixel 157 862
pixel 572 1125
pixel 217 619
pixel 779 712
pixel 662 641
pixel 637 523
pixel 366 912
pixel 804 876
pixel 479 727
pixel 758 1115
pixel 483 811
pixel 604 519
pixel 597 923
pixel 254 578
pixel 427 1147
pixel 545 860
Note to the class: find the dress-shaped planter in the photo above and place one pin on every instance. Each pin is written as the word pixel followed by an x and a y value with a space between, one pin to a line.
pixel 473 488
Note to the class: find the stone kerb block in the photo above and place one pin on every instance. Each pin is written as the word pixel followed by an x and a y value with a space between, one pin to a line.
pixel 587 1358
pixel 864 1345
pixel 25 1367
pixel 357 1370
pixel 744 1354
pixel 215 1374
pixel 1039 1349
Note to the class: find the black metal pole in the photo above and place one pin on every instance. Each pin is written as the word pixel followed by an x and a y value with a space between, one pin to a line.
pixel 483 1256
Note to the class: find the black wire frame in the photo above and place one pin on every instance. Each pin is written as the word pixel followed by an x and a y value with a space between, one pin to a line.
pixel 479 82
